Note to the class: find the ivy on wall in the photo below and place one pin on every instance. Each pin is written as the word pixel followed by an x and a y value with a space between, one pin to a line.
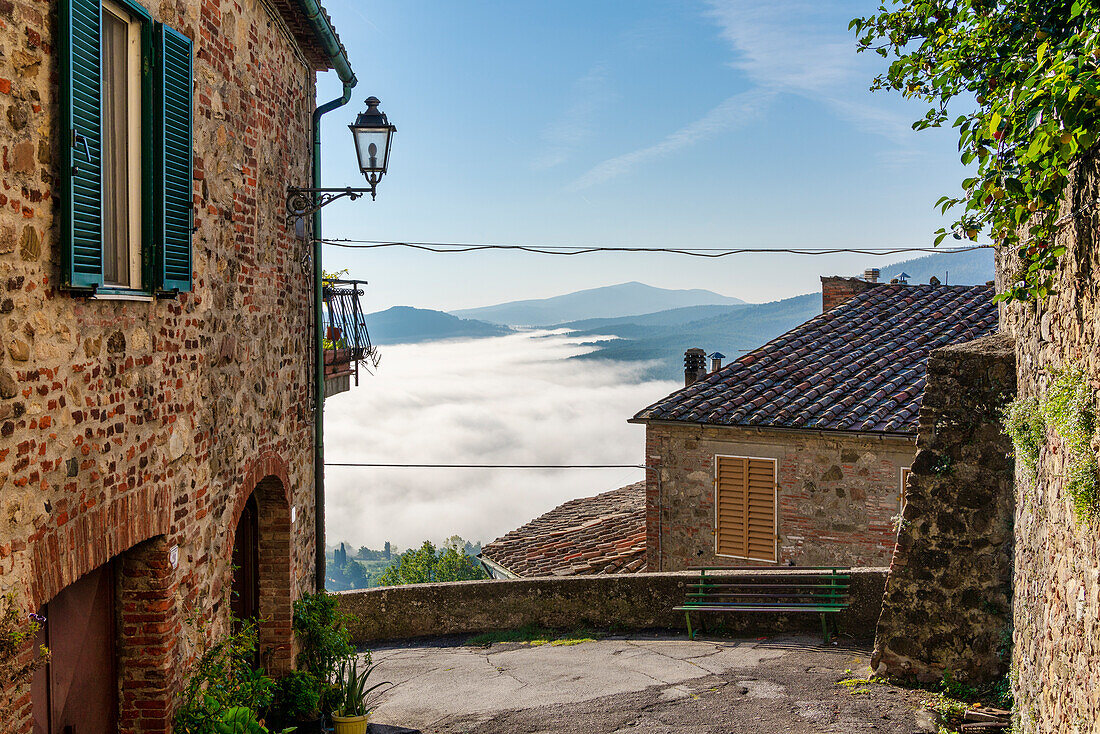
pixel 1069 408
pixel 1025 74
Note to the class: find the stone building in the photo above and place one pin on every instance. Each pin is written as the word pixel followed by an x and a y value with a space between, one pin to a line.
pixel 156 410
pixel 1056 590
pixel 797 452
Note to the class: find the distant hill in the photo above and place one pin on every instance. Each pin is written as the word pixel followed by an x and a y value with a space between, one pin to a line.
pixel 625 299
pixel 963 268
pixel 406 325
pixel 733 333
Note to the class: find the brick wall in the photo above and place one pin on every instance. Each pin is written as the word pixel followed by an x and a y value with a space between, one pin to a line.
pixel 836 289
pixel 1056 603
pixel 127 428
pixel 837 494
pixel 948 602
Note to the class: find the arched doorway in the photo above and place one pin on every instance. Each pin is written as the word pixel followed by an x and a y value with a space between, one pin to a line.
pixel 261 584
pixel 245 599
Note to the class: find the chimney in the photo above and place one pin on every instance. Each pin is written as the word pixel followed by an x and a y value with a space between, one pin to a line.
pixel 836 289
pixel 903 278
pixel 695 365
pixel 716 361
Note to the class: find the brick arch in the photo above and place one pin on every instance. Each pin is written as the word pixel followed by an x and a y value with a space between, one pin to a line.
pixel 266 479
pixel 61 555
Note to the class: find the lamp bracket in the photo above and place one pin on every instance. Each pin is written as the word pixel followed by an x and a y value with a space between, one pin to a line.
pixel 301 202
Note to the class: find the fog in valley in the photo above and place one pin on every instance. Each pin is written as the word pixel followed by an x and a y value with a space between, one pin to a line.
pixel 516 399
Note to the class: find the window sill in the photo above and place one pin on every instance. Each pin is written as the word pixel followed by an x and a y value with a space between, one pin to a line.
pixel 121 295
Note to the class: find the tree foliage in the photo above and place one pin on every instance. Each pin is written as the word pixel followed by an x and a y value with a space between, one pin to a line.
pixel 426 564
pixel 1029 69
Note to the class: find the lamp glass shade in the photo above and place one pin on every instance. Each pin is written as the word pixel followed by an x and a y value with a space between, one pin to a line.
pixel 372 145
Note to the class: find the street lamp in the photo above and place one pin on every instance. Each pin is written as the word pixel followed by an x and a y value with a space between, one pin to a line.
pixel 372 133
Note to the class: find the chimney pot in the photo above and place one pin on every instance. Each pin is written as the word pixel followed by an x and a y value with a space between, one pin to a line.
pixel 716 361
pixel 871 275
pixel 695 361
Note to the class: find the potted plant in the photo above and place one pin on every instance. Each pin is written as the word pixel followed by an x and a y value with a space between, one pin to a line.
pixel 297 703
pixel 323 641
pixel 352 699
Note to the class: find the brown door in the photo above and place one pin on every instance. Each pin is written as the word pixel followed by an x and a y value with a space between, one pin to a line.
pixel 77 691
pixel 246 558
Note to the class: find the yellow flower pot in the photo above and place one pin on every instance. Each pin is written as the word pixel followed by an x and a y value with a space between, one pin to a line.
pixel 350 724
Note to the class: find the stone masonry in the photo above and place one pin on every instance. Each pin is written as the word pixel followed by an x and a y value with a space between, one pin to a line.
pixel 948 601
pixel 128 428
pixel 837 494
pixel 1056 652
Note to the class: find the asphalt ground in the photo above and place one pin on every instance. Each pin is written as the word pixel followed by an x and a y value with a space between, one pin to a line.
pixel 658 684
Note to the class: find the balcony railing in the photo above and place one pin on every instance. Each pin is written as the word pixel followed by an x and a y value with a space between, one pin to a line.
pixel 346 341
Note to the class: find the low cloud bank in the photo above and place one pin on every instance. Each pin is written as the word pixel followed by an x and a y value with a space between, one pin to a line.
pixel 517 399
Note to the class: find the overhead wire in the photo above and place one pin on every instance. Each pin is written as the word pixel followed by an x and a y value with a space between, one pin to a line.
pixel 707 252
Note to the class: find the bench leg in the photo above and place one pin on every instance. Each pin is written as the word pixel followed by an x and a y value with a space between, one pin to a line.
pixel 825 628
pixel 691 632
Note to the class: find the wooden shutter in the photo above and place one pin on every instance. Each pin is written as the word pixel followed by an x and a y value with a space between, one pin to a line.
pixel 172 148
pixel 745 507
pixel 81 174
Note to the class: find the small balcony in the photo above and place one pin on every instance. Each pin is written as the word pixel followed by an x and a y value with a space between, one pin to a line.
pixel 347 344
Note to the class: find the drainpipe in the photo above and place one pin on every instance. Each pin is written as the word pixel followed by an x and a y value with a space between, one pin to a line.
pixel 337 56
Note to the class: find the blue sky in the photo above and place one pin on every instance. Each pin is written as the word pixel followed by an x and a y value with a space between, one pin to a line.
pixel 624 122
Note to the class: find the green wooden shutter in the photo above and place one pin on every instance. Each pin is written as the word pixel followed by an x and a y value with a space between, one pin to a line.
pixel 172 144
pixel 81 176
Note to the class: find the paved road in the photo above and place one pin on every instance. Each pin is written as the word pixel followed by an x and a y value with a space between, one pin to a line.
pixel 639 684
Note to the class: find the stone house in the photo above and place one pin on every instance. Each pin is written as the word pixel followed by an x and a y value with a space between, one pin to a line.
pixel 798 451
pixel 156 401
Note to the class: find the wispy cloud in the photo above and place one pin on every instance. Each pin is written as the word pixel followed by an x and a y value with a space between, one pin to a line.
pixel 562 138
pixel 735 111
pixel 781 47
pixel 801 48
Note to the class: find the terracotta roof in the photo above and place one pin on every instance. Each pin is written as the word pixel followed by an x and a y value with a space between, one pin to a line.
pixel 858 367
pixel 594 535
pixel 303 33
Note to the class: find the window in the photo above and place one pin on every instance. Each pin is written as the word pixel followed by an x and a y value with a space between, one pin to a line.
pixel 120 116
pixel 126 113
pixel 745 507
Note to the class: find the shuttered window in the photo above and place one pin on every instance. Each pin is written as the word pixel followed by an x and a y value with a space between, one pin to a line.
pixel 138 239
pixel 745 502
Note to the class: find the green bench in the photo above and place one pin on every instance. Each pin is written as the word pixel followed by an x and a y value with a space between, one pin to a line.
pixel 821 590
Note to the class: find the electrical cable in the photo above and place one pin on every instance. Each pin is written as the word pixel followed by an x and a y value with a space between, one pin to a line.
pixel 707 252
pixel 489 466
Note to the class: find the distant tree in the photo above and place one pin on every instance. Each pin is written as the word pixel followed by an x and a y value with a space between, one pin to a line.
pixel 426 564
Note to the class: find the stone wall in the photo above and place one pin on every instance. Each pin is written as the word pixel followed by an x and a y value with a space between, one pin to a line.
pixel 838 494
pixel 623 602
pixel 1056 654
pixel 131 427
pixel 948 601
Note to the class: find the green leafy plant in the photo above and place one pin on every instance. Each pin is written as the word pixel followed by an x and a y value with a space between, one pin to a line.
pixel 240 720
pixel 353 695
pixel 1027 74
pixel 323 641
pixel 222 679
pixel 16 627
pixel 1069 408
pixel 296 697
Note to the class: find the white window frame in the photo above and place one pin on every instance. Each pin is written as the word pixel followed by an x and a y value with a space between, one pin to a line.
pixel 134 144
pixel 775 507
